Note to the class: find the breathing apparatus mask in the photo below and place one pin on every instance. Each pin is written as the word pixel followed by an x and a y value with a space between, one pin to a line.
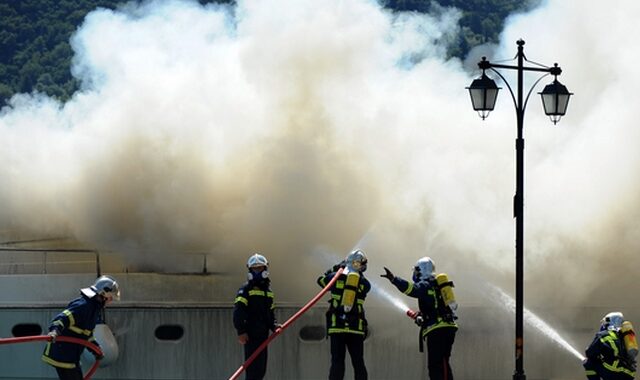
pixel 612 321
pixel 423 270
pixel 257 266
pixel 356 261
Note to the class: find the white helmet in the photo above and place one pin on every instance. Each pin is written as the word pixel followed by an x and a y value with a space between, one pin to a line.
pixel 423 270
pixel 105 286
pixel 356 261
pixel 257 260
pixel 612 321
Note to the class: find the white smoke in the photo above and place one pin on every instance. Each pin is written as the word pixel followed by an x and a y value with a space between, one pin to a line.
pixel 284 127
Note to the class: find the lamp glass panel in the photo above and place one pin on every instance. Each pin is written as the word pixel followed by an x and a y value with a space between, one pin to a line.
pixel 549 103
pixel 491 96
pixel 563 102
pixel 483 99
pixel 477 98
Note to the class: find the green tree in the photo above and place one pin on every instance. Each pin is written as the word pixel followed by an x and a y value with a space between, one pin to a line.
pixel 35 52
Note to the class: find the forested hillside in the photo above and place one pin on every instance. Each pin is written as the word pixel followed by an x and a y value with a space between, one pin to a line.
pixel 34 37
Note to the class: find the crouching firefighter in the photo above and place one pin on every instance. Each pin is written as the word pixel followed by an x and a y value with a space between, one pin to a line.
pixel 346 322
pixel 78 320
pixel 253 314
pixel 612 353
pixel 436 317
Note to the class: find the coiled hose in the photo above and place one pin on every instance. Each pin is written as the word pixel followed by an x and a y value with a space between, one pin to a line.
pixel 92 347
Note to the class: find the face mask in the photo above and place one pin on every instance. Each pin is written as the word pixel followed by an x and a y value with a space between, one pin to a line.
pixel 416 275
pixel 257 276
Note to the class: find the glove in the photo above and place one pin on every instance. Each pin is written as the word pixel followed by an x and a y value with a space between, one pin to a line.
pixel 419 320
pixel 388 275
pixel 53 334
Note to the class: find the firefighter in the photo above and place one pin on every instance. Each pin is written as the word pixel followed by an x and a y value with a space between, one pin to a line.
pixel 607 357
pixel 78 320
pixel 253 314
pixel 346 322
pixel 436 317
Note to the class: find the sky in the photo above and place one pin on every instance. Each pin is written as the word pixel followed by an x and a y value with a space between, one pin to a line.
pixel 307 129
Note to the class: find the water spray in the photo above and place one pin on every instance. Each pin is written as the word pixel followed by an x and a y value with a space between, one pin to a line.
pixel 376 289
pixel 533 320
pixel 330 258
pixel 502 298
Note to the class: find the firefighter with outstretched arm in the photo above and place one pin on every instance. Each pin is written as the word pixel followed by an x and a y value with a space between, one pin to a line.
pixel 437 314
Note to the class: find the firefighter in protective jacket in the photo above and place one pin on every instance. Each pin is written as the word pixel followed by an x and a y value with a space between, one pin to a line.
pixel 78 320
pixel 253 314
pixel 346 322
pixel 608 358
pixel 436 318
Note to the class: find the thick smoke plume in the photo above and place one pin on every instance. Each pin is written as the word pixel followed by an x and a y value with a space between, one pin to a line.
pixel 311 126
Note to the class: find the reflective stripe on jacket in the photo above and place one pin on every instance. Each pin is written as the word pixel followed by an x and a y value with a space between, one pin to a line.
pixel 77 321
pixel 435 313
pixel 607 348
pixel 354 321
pixel 253 310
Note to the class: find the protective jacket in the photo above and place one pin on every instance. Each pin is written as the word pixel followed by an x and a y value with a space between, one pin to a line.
pixel 432 307
pixel 338 321
pixel 607 358
pixel 77 321
pixel 253 311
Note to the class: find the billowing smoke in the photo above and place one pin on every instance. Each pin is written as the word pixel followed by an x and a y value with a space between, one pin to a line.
pixel 306 126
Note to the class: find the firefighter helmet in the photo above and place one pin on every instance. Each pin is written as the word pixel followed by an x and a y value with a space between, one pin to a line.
pixel 423 270
pixel 257 266
pixel 104 286
pixel 257 260
pixel 356 261
pixel 612 321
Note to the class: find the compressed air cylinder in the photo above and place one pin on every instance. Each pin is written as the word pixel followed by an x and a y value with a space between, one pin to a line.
pixel 349 293
pixel 629 336
pixel 446 289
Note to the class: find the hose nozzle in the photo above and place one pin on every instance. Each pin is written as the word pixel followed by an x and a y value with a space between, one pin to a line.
pixel 416 316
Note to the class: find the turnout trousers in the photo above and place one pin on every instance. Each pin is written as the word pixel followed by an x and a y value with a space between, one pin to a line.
pixel 340 343
pixel 69 373
pixel 596 371
pixel 439 345
pixel 258 368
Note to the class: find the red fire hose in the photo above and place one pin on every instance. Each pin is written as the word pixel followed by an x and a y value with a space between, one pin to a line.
pixel 90 346
pixel 285 325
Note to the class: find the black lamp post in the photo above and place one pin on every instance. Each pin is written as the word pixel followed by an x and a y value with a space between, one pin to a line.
pixel 555 99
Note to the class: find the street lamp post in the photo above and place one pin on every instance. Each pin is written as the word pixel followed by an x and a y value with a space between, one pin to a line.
pixel 555 99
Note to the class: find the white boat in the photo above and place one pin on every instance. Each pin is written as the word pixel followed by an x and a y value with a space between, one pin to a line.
pixel 179 326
